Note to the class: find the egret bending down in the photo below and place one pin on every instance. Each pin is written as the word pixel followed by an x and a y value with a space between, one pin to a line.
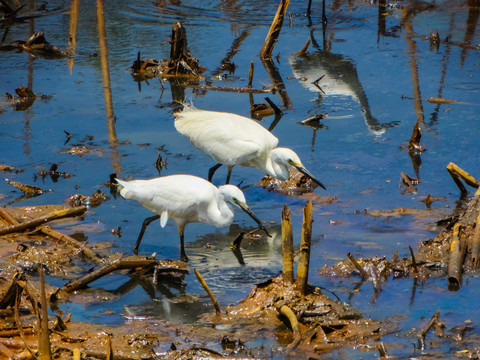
pixel 185 199
pixel 232 139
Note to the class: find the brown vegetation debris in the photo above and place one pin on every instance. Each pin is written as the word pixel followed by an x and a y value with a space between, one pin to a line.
pixel 36 45
pixel 145 69
pixel 408 184
pixel 181 62
pixel 324 324
pixel 24 99
pixel 27 189
pixel 53 173
pixel 8 168
pixel 81 150
pixel 297 184
pixel 433 256
pixel 259 111
pixel 95 200
pixel 314 121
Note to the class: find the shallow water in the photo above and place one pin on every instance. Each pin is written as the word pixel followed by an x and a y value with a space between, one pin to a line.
pixel 359 156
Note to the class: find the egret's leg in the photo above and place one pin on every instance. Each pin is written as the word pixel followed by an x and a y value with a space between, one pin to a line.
pixel 212 171
pixel 230 167
pixel 183 255
pixel 146 222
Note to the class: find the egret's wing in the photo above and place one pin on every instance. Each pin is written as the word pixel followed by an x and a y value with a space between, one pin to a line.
pixel 171 196
pixel 227 138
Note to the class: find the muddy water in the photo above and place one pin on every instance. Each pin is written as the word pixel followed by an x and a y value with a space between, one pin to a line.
pixel 375 61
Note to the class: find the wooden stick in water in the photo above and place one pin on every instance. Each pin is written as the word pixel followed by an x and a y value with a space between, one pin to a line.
pixel 274 32
pixel 457 173
pixel 476 238
pixel 362 271
pixel 43 219
pixel 44 347
pixel 250 75
pixel 287 245
pixel 305 244
pixel 423 332
pixel 207 289
pixel 455 261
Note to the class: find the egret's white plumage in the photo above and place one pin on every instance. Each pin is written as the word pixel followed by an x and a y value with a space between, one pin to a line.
pixel 231 139
pixel 185 199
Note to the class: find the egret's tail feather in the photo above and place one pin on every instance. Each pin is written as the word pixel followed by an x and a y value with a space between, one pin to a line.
pixel 126 190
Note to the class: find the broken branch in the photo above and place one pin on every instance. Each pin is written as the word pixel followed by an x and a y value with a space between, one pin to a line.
pixel 79 210
pixel 129 262
pixel 457 173
pixel 423 332
pixel 62 238
pixel 362 271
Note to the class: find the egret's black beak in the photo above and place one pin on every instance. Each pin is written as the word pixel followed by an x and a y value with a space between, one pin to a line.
pixel 309 174
pixel 250 213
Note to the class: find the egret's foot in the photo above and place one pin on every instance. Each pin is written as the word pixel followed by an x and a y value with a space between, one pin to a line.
pixel 184 257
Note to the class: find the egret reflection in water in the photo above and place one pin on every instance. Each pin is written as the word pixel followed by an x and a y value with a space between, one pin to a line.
pixel 333 74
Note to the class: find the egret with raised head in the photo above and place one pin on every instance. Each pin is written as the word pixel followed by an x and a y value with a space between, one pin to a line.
pixel 231 139
pixel 185 199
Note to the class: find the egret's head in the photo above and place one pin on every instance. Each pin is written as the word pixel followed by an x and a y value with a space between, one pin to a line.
pixel 234 195
pixel 288 158
pixel 285 156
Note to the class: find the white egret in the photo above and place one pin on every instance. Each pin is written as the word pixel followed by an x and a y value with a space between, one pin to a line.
pixel 185 199
pixel 232 139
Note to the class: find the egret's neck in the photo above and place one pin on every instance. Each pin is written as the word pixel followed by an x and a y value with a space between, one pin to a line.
pixel 220 212
pixel 272 167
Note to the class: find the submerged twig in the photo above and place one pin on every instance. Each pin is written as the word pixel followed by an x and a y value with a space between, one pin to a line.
pixel 423 332
pixel 414 262
pixel 362 271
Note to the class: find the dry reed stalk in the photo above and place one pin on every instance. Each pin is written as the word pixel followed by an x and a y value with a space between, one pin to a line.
pixel 207 289
pixel 305 244
pixel 287 245
pixel 455 261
